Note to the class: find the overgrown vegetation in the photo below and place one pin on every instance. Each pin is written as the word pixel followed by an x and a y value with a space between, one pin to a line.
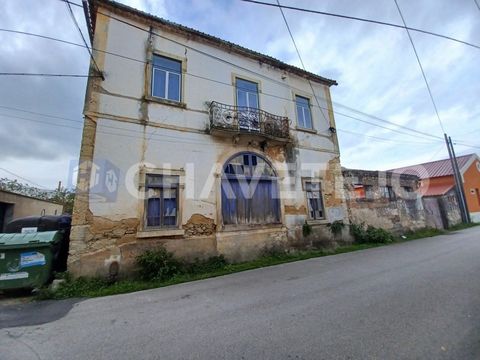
pixel 199 269
pixel 158 264
pixel 369 234
pixel 336 227
pixel 429 232
pixel 158 268
pixel 306 229
pixel 62 196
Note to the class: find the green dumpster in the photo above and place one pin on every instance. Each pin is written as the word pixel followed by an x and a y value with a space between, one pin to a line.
pixel 26 259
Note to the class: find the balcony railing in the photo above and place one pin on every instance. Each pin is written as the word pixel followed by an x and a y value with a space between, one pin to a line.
pixel 238 119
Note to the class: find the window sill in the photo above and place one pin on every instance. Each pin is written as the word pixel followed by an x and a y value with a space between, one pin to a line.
pixel 243 227
pixel 311 131
pixel 160 233
pixel 150 98
pixel 317 222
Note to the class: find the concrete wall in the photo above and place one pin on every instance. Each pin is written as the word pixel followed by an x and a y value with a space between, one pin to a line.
pixel 20 206
pixel 139 135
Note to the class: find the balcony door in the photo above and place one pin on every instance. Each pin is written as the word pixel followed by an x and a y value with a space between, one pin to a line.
pixel 247 102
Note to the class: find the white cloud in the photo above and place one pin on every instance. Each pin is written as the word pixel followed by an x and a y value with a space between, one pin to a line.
pixel 374 65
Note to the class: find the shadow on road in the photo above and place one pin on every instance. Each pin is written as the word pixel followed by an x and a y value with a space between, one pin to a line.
pixel 34 312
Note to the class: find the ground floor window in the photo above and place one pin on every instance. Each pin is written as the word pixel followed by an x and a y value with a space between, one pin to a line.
pixel 161 200
pixel 313 190
pixel 249 191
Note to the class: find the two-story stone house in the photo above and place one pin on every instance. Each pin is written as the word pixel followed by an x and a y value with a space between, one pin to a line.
pixel 198 144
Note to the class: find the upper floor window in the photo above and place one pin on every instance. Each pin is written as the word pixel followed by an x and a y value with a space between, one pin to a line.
pixel 387 192
pixel 368 192
pixel 247 93
pixel 166 78
pixel 162 200
pixel 304 116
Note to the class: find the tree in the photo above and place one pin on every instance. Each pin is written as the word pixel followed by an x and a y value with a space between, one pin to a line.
pixel 62 196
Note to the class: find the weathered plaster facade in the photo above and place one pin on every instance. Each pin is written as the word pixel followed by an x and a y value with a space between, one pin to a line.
pixel 385 200
pixel 140 134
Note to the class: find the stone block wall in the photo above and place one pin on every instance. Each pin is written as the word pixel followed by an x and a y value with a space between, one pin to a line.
pixel 401 212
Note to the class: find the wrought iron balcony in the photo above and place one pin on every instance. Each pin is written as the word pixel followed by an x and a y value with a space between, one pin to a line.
pixel 228 119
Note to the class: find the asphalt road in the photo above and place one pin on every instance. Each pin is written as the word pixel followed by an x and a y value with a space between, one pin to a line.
pixel 416 300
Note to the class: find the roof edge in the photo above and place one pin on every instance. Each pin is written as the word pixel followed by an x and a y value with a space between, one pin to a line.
pixel 213 40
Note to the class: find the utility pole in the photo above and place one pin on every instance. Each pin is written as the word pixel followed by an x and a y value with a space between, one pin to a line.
pixel 458 181
pixel 460 178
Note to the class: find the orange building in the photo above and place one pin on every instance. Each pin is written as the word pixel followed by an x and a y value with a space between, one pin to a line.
pixel 437 179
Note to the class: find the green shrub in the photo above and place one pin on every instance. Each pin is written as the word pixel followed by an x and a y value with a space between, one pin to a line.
pixel 306 229
pixel 336 227
pixel 158 264
pixel 359 233
pixel 378 235
pixel 370 234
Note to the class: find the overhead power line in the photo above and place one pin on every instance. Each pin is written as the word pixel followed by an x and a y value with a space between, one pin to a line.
pixel 385 139
pixel 242 68
pixel 46 75
pixel 364 20
pixel 421 68
pixel 239 67
pixel 23 178
pixel 422 135
pixel 301 60
pixel 41 114
pixel 263 93
pixel 477 3
pixel 180 139
pixel 386 121
pixel 72 15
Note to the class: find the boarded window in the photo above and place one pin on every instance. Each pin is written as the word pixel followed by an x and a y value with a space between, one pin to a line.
pixel 249 191
pixel 161 200
pixel 314 199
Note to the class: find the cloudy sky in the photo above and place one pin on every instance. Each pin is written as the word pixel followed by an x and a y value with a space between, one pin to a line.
pixel 374 65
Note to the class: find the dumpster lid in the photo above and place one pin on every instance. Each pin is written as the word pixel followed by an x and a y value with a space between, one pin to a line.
pixel 43 237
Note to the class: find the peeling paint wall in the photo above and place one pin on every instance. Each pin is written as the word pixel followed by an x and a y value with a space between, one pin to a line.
pixel 140 135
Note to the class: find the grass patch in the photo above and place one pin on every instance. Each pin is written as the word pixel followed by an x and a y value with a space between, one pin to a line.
pixel 429 232
pixel 423 233
pixel 154 277
pixel 462 226
pixel 95 287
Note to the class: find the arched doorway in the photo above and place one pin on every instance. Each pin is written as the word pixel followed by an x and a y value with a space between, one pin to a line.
pixel 249 191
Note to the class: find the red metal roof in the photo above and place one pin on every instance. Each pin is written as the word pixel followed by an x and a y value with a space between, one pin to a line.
pixel 433 169
pixel 436 190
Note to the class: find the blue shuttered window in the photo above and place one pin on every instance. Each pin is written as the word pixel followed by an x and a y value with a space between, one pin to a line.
pixel 162 200
pixel 249 191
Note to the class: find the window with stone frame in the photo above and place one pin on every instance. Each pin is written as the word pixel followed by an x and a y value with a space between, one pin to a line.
pixel 304 115
pixel 316 209
pixel 166 78
pixel 161 201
